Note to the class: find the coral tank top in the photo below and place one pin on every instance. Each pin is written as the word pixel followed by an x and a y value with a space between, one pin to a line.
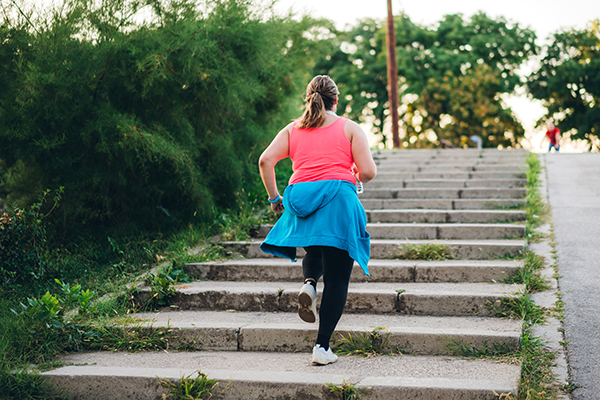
pixel 320 154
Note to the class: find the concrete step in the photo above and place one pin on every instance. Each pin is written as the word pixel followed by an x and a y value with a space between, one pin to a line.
pixel 433 161
pixel 286 332
pixel 445 231
pixel 390 248
pixel 413 167
pixel 445 216
pixel 441 204
pixel 501 161
pixel 456 152
pixel 488 204
pixel 487 152
pixel 278 269
pixel 450 183
pixel 434 193
pixel 476 161
pixel 433 299
pixel 393 175
pixel 262 375
pixel 430 231
pixel 513 168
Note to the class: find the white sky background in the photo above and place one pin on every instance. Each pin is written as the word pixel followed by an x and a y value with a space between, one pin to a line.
pixel 543 17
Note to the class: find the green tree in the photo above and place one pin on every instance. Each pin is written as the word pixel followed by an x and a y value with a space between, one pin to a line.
pixel 150 114
pixel 452 77
pixel 356 62
pixel 568 83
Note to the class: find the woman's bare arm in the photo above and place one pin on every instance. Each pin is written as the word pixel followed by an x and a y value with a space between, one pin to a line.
pixel 277 150
pixel 366 169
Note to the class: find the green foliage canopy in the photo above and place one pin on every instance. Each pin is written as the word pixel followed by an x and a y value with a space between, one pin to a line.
pixel 452 77
pixel 568 83
pixel 148 113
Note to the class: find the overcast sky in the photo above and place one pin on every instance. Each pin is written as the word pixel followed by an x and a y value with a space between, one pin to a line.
pixel 544 17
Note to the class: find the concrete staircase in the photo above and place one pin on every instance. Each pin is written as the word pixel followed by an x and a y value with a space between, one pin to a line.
pixel 238 321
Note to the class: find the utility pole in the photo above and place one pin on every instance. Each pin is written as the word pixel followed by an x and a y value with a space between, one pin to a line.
pixel 392 73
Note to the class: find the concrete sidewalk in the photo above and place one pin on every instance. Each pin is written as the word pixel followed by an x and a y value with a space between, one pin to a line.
pixel 574 193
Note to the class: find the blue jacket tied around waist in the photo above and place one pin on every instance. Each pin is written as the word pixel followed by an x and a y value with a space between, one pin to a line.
pixel 321 213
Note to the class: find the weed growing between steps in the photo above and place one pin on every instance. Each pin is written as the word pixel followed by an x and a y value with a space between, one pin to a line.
pixel 427 251
pixel 369 344
pixel 162 286
pixel 346 391
pixel 529 275
pixel 188 388
pixel 130 335
pixel 496 351
pixel 521 307
pixel 536 209
pixel 514 206
pixel 536 362
pixel 537 379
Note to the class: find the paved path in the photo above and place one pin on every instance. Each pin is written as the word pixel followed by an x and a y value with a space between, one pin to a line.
pixel 574 192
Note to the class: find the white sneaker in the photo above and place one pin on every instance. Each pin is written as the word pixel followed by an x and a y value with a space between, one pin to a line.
pixel 320 356
pixel 307 303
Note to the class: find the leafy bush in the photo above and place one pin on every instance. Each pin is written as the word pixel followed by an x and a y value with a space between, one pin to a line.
pixel 46 314
pixel 162 285
pixel 148 124
pixel 21 384
pixel 23 244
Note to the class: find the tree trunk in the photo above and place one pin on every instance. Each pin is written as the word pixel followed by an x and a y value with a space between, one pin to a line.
pixel 392 72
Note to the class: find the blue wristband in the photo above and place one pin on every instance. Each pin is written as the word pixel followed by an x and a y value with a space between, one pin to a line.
pixel 276 200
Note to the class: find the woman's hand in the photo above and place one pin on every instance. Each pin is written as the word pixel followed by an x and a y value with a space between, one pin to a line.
pixel 277 207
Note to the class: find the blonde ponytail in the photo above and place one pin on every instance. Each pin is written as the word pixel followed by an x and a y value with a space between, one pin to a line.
pixel 320 97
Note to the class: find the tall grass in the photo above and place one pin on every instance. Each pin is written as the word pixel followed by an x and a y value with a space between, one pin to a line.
pixel 536 209
pixel 537 380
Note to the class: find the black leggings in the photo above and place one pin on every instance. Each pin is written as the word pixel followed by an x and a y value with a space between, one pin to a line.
pixel 335 266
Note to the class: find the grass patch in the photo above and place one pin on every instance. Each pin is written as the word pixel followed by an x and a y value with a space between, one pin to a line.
pixel 520 307
pixel 569 387
pixel 346 391
pixel 427 251
pixel 495 206
pixel 24 384
pixel 371 344
pixel 537 380
pixel 130 335
pixel 188 388
pixel 536 209
pixel 530 275
pixel 19 349
pixel 495 351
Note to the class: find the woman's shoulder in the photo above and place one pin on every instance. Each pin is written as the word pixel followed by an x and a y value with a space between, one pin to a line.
pixel 352 127
pixel 350 123
pixel 290 126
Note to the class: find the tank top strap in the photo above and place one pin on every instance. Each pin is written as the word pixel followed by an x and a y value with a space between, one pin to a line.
pixel 296 122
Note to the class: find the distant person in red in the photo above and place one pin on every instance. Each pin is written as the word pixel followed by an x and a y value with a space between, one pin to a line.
pixel 553 134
